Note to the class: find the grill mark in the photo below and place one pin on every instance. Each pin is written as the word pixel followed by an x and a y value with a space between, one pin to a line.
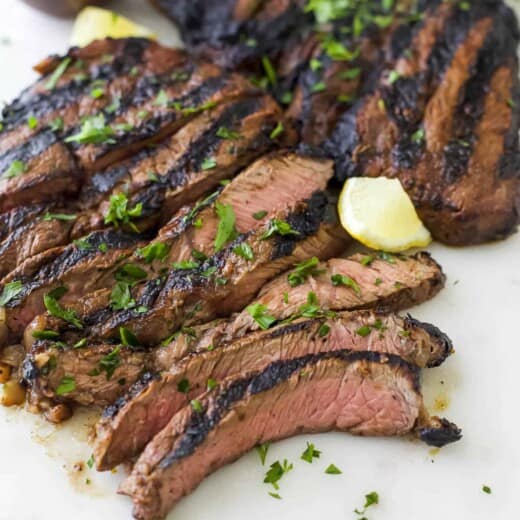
pixel 61 97
pixel 70 257
pixel 406 98
pixel 498 49
pixel 35 146
pixel 207 143
pixel 201 424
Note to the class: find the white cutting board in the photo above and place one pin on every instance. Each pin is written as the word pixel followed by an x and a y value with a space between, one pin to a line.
pixel 479 309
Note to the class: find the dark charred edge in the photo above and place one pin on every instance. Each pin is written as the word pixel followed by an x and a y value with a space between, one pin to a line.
pixel 210 25
pixel 136 389
pixel 499 49
pixel 152 197
pixel 406 99
pixel 441 338
pixel 510 161
pixel 201 423
pixel 59 98
pixel 306 222
pixel 30 149
pixel 440 433
pixel 14 223
pixel 71 256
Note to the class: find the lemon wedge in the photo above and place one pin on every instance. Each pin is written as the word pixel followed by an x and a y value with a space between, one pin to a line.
pixel 94 23
pixel 379 213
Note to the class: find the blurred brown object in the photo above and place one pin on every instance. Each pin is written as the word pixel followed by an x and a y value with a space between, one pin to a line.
pixel 62 8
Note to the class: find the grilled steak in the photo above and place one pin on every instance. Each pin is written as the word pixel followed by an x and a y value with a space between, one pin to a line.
pixel 443 118
pixel 421 278
pixel 298 223
pixel 365 393
pixel 136 418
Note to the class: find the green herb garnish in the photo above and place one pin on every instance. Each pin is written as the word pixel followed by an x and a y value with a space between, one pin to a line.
pixel 303 270
pixel 277 130
pixel 226 225
pixel 128 338
pixel 153 251
pixel 57 74
pixel 310 453
pixel 11 290
pixel 262 450
pixel 278 227
pixel 276 472
pixel 340 279
pixel 56 310
pixel 259 215
pixel 244 250
pixel 183 386
pixel 225 133
pixel 15 169
pixel 110 362
pixel 66 386
pixel 93 131
pixel 333 470
pixel 260 313
pixel 59 216
pixel 118 212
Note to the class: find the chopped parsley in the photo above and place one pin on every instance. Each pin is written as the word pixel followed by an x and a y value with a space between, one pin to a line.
pixel 121 297
pixel 327 10
pixel 11 290
pixel 57 74
pixel 303 270
pixel 286 98
pixel 262 450
pixel 225 133
pixel 341 279
pixel 278 227
pixel 393 76
pixel 130 273
pixel 387 257
pixel 486 489
pixel 323 330
pixel 310 453
pixel 366 260
pixel 114 106
pixel 185 265
pixel 370 500
pixel 90 462
pixel 226 225
pixel 45 334
pixel 59 216
pixel 336 51
pixel 260 313
pixel 352 73
pixel 277 130
pixel 276 471
pixel 32 122
pixel 315 64
pixel 333 470
pixel 183 386
pixel 161 100
pixel 244 250
pixel 110 362
pixel 318 87
pixel 198 255
pixel 208 163
pixel 93 131
pixel 211 384
pixel 16 169
pixel 418 136
pixel 55 309
pixel 153 251
pixel 378 281
pixel 197 406
pixel 66 386
pixel 363 331
pixel 128 338
pixel 97 92
pixel 119 213
pixel 259 215
pixel 270 72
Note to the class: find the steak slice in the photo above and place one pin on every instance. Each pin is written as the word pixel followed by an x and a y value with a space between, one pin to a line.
pixel 364 393
pixel 80 267
pixel 443 119
pixel 128 425
pixel 421 279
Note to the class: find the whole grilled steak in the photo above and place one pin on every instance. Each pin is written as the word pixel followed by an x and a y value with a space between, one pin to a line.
pixel 136 418
pixel 420 279
pixel 443 118
pixel 365 393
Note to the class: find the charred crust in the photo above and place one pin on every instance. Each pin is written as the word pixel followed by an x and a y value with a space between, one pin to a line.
pixel 137 388
pixel 200 424
pixel 440 433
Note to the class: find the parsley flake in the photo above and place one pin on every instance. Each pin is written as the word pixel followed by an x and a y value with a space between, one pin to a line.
pixel 260 313
pixel 226 225
pixel 10 292
pixel 340 279
pixel 310 453
pixel 66 386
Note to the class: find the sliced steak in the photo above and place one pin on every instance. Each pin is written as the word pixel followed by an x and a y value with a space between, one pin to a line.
pixel 197 293
pixel 121 103
pixel 421 279
pixel 129 424
pixel 443 118
pixel 362 393
pixel 81 267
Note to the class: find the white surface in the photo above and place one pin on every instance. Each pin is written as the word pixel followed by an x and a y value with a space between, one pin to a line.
pixel 481 313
